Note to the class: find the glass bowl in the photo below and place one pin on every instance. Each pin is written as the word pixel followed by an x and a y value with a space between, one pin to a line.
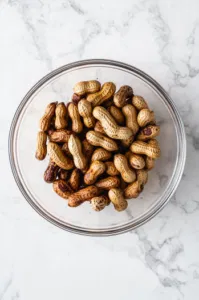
pixel 28 172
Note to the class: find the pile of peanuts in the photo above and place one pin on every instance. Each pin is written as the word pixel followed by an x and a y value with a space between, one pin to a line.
pixel 101 145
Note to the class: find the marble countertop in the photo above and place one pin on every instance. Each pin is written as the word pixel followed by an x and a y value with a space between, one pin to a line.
pixel 160 260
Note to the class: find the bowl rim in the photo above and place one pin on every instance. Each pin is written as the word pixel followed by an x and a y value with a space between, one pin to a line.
pixel 180 135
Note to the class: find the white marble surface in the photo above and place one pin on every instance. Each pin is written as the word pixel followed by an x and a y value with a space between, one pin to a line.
pixel 161 259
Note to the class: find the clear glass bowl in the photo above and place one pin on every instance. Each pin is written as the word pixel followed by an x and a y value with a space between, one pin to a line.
pixel 28 172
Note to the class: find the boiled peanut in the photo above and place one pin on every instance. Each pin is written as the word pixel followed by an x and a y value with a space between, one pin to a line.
pixel 139 102
pixel 148 133
pixel 150 162
pixel 131 117
pixel 117 198
pixel 60 136
pixel 96 169
pixel 57 155
pixel 135 148
pixel 85 194
pixel 145 117
pixel 85 111
pixel 140 147
pixel 74 180
pixel 75 148
pixel 111 169
pixel 98 139
pixel 106 92
pixel 98 127
pixel 99 203
pixel 45 121
pixel 41 148
pixel 66 150
pixel 142 176
pixel 62 174
pixel 121 164
pixel 51 172
pixel 77 125
pixel 110 126
pixel 116 114
pixel 62 188
pixel 83 87
pixel 136 161
pixel 101 154
pixel 122 95
pixel 108 183
pixel 133 190
pixel 87 149
pixel 61 116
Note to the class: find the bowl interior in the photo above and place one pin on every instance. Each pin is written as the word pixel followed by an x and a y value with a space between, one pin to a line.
pixel 30 171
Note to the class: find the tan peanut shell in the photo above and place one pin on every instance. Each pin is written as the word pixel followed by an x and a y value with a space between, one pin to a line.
pixel 110 126
pixel 83 87
pixel 77 125
pixel 149 132
pixel 140 147
pixel 51 172
pixel 100 140
pixel 75 148
pixel 98 127
pixel 85 194
pixel 134 189
pixel 142 176
pixel 96 169
pixel 74 180
pixel 108 183
pixel 85 111
pixel 116 114
pixel 62 188
pixel 117 198
pixel 41 148
pixel 101 154
pixel 150 162
pixel 61 116
pixel 87 149
pixel 145 117
pixel 45 121
pixel 60 136
pixel 139 102
pixel 136 161
pixel 99 203
pixel 122 95
pixel 57 155
pixel 111 169
pixel 121 164
pixel 131 117
pixel 106 92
